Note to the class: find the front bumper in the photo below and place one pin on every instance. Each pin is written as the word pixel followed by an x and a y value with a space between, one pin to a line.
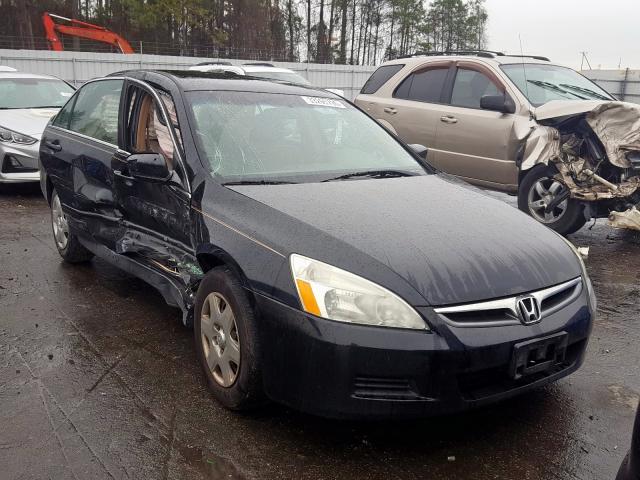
pixel 342 370
pixel 26 155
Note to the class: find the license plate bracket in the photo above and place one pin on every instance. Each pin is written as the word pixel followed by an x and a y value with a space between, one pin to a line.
pixel 538 355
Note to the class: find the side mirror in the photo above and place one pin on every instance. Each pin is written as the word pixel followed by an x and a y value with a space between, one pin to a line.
pixel 498 103
pixel 420 150
pixel 148 166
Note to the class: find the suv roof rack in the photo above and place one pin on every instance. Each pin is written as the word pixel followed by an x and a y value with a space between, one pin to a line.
pixel 259 64
pixel 213 63
pixel 478 53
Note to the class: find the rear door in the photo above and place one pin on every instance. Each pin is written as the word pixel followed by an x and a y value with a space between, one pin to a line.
pixel 476 144
pixel 416 105
pixel 77 150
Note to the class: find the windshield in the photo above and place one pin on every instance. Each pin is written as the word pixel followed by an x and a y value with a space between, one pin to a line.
pixel 271 138
pixel 33 93
pixel 542 83
pixel 286 76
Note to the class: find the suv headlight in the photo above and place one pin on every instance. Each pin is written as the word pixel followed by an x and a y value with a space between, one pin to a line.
pixel 593 302
pixel 332 293
pixel 9 136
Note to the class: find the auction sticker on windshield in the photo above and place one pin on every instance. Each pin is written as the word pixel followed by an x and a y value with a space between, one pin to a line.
pixel 323 102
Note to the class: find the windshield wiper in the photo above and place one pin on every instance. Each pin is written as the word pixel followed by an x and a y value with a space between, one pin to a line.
pixel 556 88
pixel 373 174
pixel 258 182
pixel 586 90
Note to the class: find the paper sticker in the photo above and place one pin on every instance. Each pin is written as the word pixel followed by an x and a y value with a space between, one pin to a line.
pixel 323 102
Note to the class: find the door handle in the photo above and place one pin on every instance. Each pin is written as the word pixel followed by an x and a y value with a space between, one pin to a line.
pixel 53 145
pixel 390 110
pixel 448 119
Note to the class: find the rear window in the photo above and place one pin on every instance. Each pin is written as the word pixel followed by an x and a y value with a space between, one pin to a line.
pixel 379 78
pixel 424 86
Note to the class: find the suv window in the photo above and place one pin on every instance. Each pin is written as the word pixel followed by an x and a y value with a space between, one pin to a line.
pixel 379 78
pixel 424 86
pixel 470 86
pixel 95 112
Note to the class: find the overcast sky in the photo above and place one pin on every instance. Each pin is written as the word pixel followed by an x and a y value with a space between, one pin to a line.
pixel 560 29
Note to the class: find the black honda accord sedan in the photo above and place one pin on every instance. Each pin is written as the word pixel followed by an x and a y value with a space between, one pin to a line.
pixel 322 263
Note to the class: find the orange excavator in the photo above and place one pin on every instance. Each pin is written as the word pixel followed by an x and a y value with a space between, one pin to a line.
pixel 76 28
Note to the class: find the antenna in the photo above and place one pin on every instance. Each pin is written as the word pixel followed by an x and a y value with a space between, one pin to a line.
pixel 524 69
pixel 584 59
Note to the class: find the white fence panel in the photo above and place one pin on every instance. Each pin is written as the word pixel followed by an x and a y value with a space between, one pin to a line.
pixel 78 67
pixel 623 84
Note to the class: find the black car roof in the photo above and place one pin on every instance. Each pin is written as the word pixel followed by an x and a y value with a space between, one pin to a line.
pixel 193 80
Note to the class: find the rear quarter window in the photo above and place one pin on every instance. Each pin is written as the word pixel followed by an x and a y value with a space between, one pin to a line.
pixel 379 78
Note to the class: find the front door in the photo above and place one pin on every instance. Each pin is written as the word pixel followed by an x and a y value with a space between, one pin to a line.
pixel 156 214
pixel 478 145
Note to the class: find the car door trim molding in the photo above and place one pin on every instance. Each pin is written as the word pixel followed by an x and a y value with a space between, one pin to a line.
pixel 87 137
pixel 248 237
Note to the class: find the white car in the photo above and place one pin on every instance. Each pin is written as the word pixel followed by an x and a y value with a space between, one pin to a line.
pixel 259 69
pixel 27 102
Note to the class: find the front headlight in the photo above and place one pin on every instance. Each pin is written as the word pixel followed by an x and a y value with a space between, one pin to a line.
pixel 9 136
pixel 593 303
pixel 332 293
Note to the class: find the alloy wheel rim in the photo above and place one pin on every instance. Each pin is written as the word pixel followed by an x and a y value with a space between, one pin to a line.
pixel 541 194
pixel 220 341
pixel 60 224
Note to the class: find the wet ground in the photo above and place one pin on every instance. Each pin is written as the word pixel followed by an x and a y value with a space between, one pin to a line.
pixel 98 379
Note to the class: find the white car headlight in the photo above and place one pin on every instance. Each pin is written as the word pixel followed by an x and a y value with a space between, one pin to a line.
pixel 332 293
pixel 9 136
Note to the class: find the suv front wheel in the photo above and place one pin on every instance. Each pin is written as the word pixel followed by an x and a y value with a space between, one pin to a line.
pixel 539 190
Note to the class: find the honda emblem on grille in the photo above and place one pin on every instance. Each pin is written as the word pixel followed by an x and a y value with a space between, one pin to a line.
pixel 529 309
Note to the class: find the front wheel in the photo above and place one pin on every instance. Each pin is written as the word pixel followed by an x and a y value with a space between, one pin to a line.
pixel 538 196
pixel 227 341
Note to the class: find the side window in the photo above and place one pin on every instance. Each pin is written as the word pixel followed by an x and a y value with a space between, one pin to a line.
pixel 150 132
pixel 424 86
pixel 470 86
pixel 63 117
pixel 95 112
pixel 379 78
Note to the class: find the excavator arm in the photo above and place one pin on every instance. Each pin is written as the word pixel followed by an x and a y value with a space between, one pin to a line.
pixel 76 28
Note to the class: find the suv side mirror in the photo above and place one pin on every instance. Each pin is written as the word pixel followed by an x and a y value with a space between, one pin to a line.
pixel 420 150
pixel 498 103
pixel 148 166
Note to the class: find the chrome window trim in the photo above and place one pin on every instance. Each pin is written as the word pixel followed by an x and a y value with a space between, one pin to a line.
pixel 87 137
pixel 167 120
pixel 510 304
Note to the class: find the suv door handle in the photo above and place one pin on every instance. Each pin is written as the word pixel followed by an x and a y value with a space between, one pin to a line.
pixel 390 110
pixel 53 145
pixel 448 119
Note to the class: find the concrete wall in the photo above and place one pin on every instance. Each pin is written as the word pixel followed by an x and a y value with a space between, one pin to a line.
pixel 624 84
pixel 78 67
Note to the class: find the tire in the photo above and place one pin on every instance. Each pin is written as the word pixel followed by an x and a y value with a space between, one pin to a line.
pixel 221 339
pixel 537 188
pixel 67 243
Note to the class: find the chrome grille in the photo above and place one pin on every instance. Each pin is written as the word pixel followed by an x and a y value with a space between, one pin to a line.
pixel 504 311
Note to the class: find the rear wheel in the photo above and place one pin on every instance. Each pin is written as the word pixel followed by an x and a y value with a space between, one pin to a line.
pixel 227 340
pixel 67 243
pixel 539 190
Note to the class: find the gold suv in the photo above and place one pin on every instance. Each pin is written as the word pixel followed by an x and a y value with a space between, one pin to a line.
pixel 517 124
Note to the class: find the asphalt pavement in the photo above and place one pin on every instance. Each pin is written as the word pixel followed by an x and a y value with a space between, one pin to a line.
pixel 99 379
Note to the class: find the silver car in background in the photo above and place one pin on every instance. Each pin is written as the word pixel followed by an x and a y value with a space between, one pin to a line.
pixel 27 102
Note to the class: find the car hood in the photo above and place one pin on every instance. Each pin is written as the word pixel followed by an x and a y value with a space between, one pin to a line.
pixel 452 245
pixel 565 108
pixel 30 121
